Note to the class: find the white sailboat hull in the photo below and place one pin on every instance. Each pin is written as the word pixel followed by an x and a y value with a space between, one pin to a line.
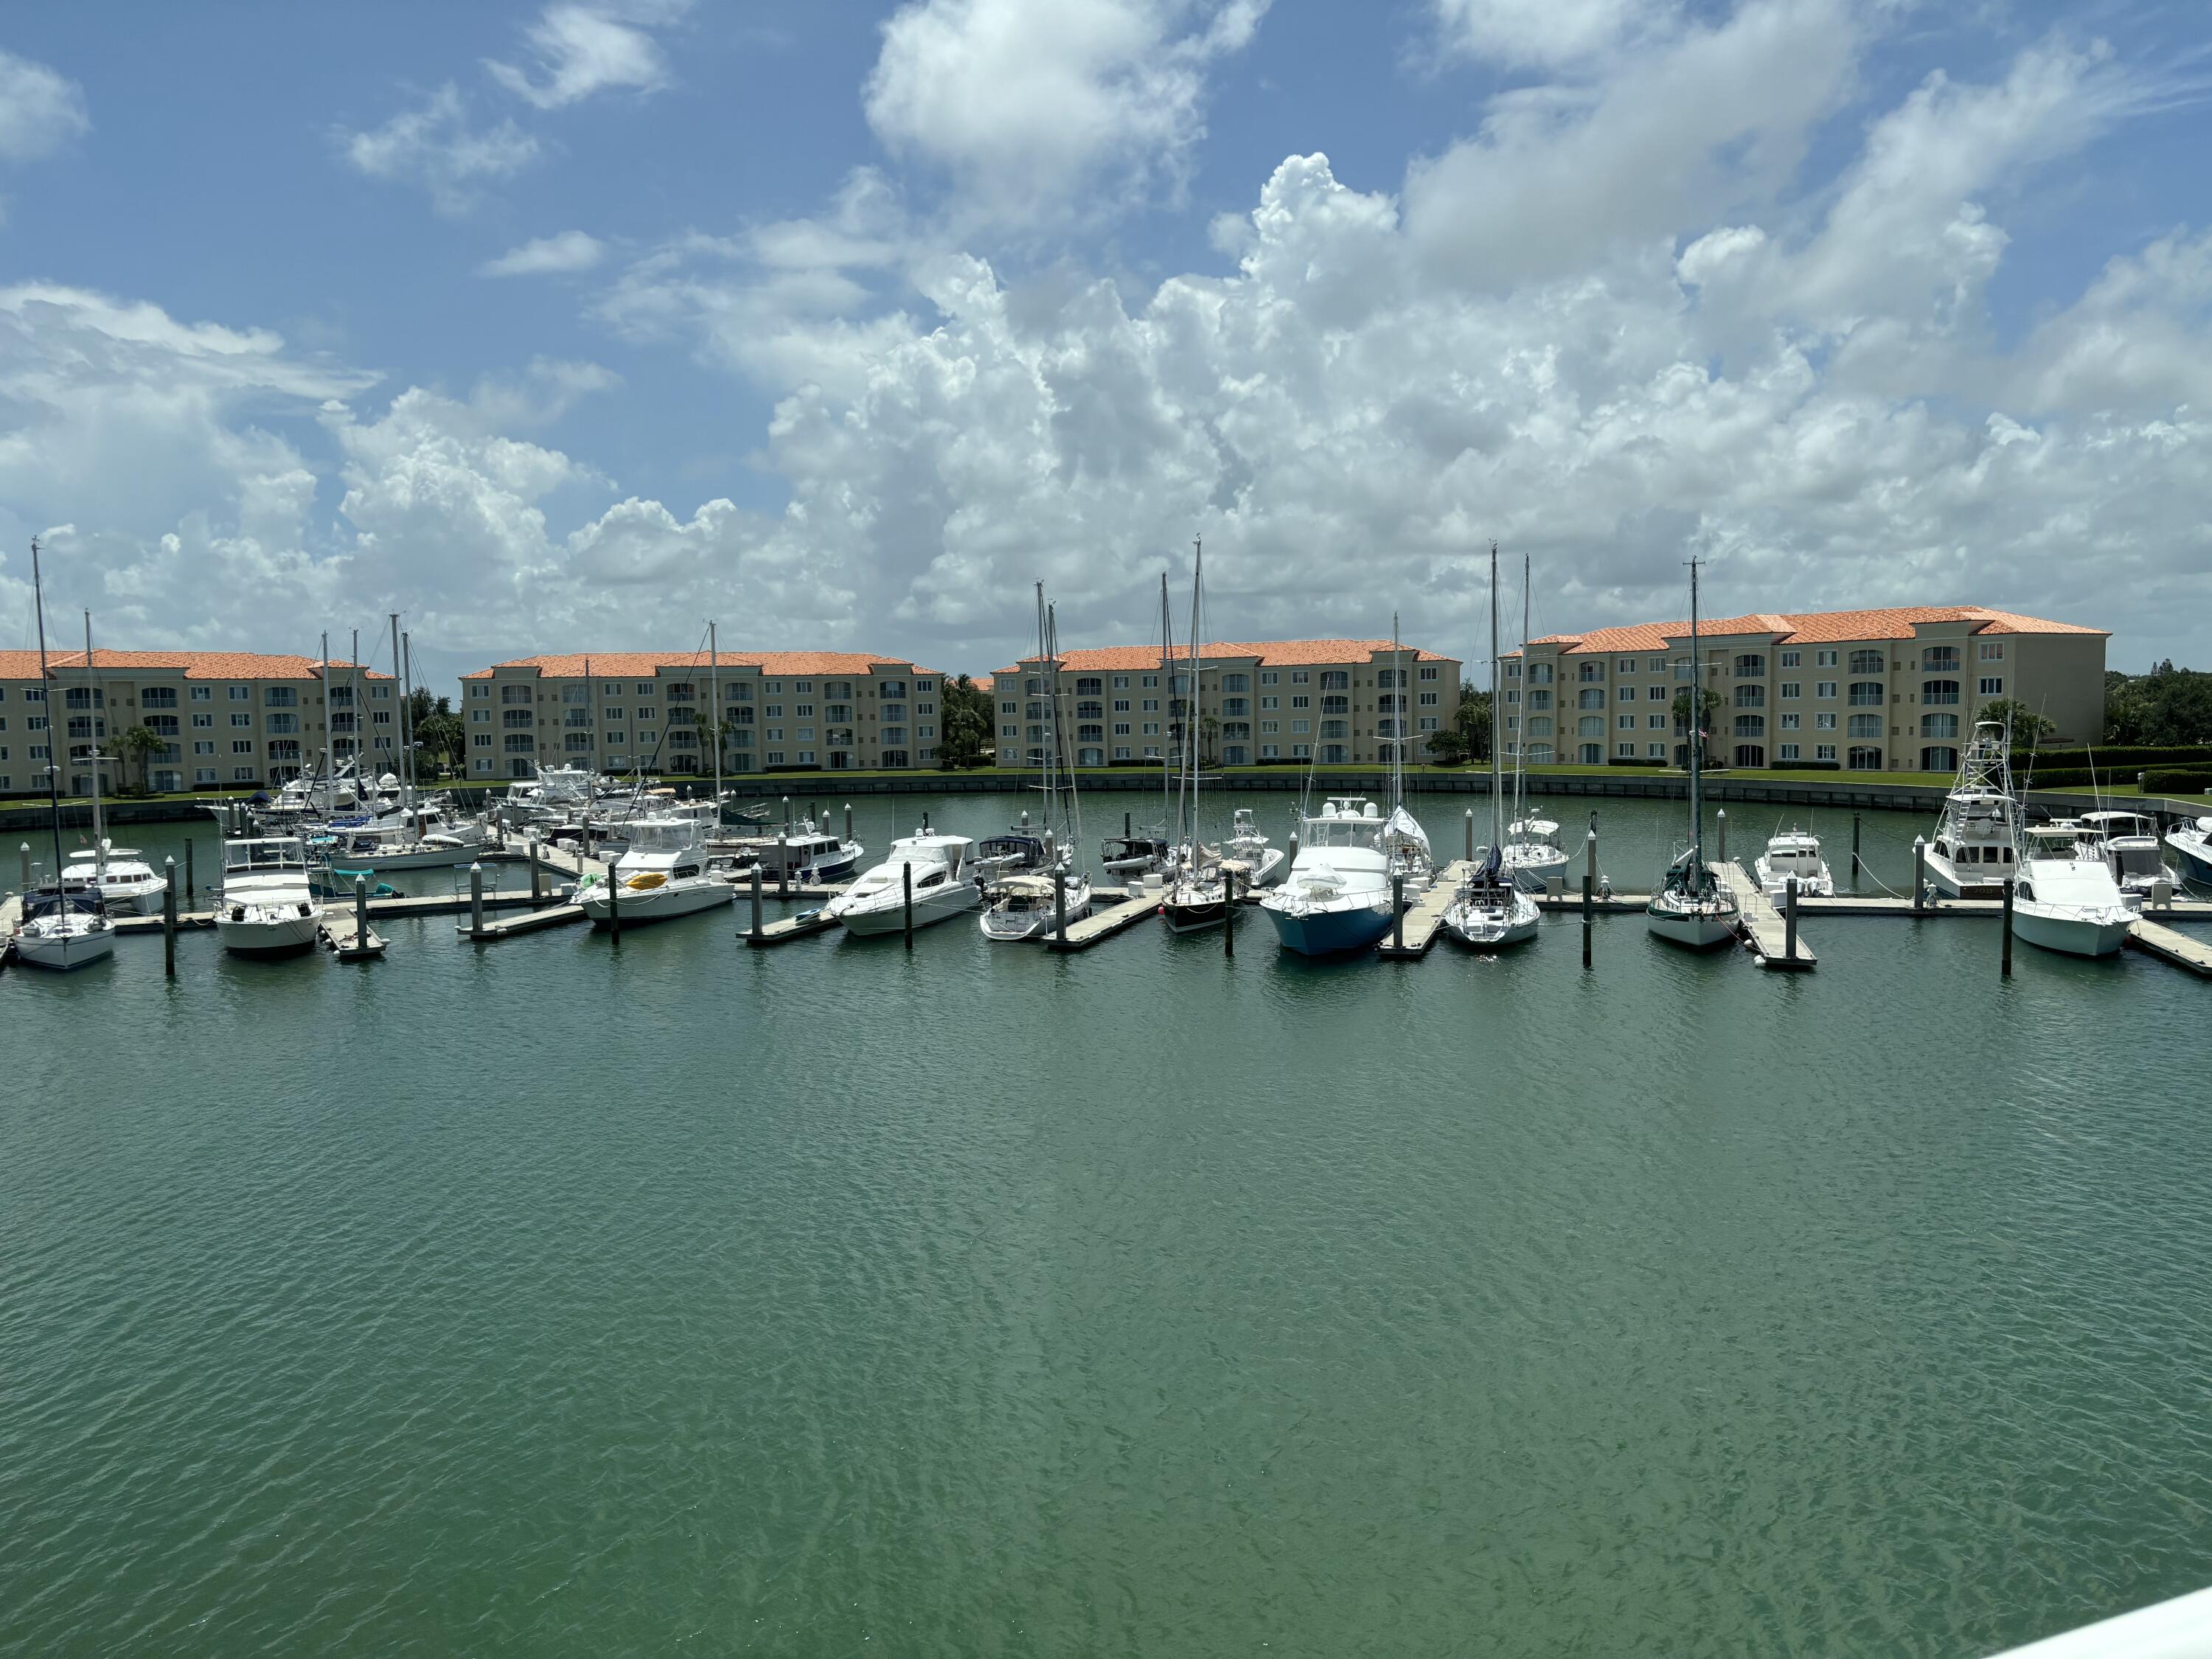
pixel 59 950
pixel 1006 927
pixel 1494 927
pixel 1695 926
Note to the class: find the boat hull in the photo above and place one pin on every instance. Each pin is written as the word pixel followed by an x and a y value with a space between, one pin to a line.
pixel 1487 930
pixel 1951 883
pixel 657 904
pixel 941 905
pixel 2069 935
pixel 280 936
pixel 63 952
pixel 2195 854
pixel 1691 929
pixel 1193 916
pixel 1333 931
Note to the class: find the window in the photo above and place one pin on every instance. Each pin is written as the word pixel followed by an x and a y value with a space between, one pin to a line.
pixel 1787 751
pixel 241 774
pixel 1826 691
pixel 1428 700
pixel 1654 722
pixel 1590 698
pixel 1335 679
pixel 511 717
pixel 1540 699
pixel 1300 728
pixel 1590 670
pixel 1788 722
pixel 157 696
pixel 1750 754
pixel 203 694
pixel 1655 694
pixel 1864 760
pixel 645 687
pixel 1824 723
pixel 203 774
pixel 1301 700
pixel 1939 725
pixel 1866 725
pixel 1865 693
pixel 1236 683
pixel 1751 697
pixel 1627 722
pixel 279 696
pixel 242 746
pixel 83 697
pixel 1940 692
pixel 1540 673
pixel 204 747
pixel 1990 686
pixel 1751 725
pixel 1791 690
pixel 1824 751
pixel 1991 651
pixel 1788 659
pixel 1750 666
pixel 1627 694
pixel 283 723
pixel 1940 659
pixel 1590 725
pixel 202 722
pixel 1866 662
pixel 1655 751
pixel 1824 659
pixel 165 724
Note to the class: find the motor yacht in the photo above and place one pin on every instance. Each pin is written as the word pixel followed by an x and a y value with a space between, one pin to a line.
pixel 2066 898
pixel 64 926
pixel 267 909
pixel 417 838
pixel 2128 843
pixel 944 886
pixel 1795 853
pixel 2191 842
pixel 1972 852
pixel 1337 895
pixel 663 872
pixel 129 886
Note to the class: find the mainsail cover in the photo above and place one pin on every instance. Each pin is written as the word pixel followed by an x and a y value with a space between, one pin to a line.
pixel 1404 830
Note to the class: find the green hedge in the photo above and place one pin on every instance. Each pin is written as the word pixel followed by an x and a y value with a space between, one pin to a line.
pixel 2123 763
pixel 2177 780
pixel 1808 766
pixel 1633 760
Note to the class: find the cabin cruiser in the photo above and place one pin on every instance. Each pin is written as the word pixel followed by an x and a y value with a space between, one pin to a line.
pixel 1795 853
pixel 663 872
pixel 1024 850
pixel 1029 906
pixel 1691 907
pixel 1250 848
pixel 2065 898
pixel 1132 858
pixel 1337 895
pixel 267 909
pixel 802 853
pixel 944 885
pixel 129 886
pixel 1972 854
pixel 1489 911
pixel 1532 855
pixel 417 838
pixel 2192 844
pixel 2128 843
pixel 64 926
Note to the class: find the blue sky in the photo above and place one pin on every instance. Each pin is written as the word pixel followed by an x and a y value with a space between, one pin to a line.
pixel 570 327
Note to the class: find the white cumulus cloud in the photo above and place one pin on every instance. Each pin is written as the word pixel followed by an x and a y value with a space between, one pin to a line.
pixel 40 110
pixel 569 252
pixel 586 48
pixel 435 146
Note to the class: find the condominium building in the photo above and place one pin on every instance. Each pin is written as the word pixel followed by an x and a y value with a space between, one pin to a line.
pixel 1338 702
pixel 1864 690
pixel 226 718
pixel 613 710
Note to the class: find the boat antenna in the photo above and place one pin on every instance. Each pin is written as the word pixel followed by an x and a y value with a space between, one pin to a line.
pixel 53 767
pixel 93 700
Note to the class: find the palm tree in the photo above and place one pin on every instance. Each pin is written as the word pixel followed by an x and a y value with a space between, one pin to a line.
pixel 140 743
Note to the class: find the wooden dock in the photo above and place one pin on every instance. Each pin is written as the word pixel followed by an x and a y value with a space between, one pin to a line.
pixel 1103 924
pixel 1411 933
pixel 530 921
pixel 2170 944
pixel 802 925
pixel 1761 926
pixel 340 931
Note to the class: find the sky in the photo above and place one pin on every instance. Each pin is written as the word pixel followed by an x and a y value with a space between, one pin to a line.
pixel 571 326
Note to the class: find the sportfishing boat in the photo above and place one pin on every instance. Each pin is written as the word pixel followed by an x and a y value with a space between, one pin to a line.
pixel 944 886
pixel 1797 853
pixel 129 886
pixel 1337 895
pixel 1690 906
pixel 2128 843
pixel 1974 851
pixel 2065 898
pixel 1249 848
pixel 663 872
pixel 267 909
pixel 1489 910
pixel 1029 906
pixel 2191 842
pixel 64 926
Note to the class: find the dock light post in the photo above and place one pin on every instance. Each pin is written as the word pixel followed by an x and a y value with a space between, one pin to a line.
pixel 1590 855
pixel 2006 972
pixel 848 820
pixel 1470 835
pixel 1789 920
pixel 24 854
pixel 756 899
pixel 1397 913
pixel 906 881
pixel 787 813
pixel 359 912
pixel 168 918
pixel 1854 852
pixel 476 898
pixel 1721 818
pixel 1919 872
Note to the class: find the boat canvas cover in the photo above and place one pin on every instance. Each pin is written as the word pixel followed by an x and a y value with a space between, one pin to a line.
pixel 2071 882
pixel 1404 830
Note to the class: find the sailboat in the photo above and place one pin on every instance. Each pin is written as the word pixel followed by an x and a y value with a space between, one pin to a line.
pixel 1404 841
pixel 1691 908
pixel 1030 906
pixel 1490 911
pixel 127 883
pixel 1200 896
pixel 1532 855
pixel 1149 850
pixel 64 923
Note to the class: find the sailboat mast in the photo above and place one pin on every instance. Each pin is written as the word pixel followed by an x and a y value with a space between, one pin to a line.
pixel 714 716
pixel 330 765
pixel 353 698
pixel 402 758
pixel 1521 751
pixel 591 716
pixel 1167 666
pixel 1190 707
pixel 92 699
pixel 53 766
pixel 1496 761
pixel 407 720
pixel 1697 745
pixel 1398 728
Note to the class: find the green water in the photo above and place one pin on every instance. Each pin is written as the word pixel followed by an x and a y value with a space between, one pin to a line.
pixel 556 1298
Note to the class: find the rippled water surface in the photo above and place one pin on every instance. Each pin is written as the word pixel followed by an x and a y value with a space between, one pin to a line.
pixel 554 1297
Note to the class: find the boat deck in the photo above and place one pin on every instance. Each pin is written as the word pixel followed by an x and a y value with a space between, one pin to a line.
pixel 1762 928
pixel 1416 926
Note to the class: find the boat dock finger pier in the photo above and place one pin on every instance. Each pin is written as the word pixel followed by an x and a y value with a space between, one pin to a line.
pixel 1415 926
pixel 1771 937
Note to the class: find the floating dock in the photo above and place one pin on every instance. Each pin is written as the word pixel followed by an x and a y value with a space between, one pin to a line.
pixel 806 924
pixel 530 921
pixel 2172 946
pixel 1102 924
pixel 1760 926
pixel 1414 930
pixel 342 931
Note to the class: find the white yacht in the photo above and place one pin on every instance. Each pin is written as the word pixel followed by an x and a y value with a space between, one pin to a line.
pixel 1489 910
pixel 1250 848
pixel 1337 895
pixel 415 838
pixel 1795 853
pixel 64 926
pixel 2128 843
pixel 1691 908
pixel 663 872
pixel 1025 907
pixel 2065 898
pixel 129 886
pixel 1973 850
pixel 2191 842
pixel 810 855
pixel 267 909
pixel 944 886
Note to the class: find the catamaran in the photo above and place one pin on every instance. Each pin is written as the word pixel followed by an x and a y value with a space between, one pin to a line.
pixel 1691 908
pixel 1490 909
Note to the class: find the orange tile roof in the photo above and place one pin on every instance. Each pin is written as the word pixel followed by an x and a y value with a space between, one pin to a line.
pixel 196 665
pixel 1815 628
pixel 615 665
pixel 1271 654
pixel 980 682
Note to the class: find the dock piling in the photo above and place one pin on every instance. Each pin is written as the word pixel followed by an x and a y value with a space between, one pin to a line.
pixel 1059 908
pixel 1125 826
pixel 168 918
pixel 848 820
pixel 756 899
pixel 1789 920
pixel 1397 913
pixel 783 866
pixel 906 878
pixel 1229 915
pixel 614 904
pixel 1721 818
pixel 1470 835
pixel 361 910
pixel 1589 854
pixel 191 886
pixel 476 897
pixel 1854 852
pixel 1919 872
pixel 787 814
pixel 1590 917
pixel 2005 971
pixel 24 854
pixel 537 881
